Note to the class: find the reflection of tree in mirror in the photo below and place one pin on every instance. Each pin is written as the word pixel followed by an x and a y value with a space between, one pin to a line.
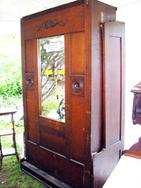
pixel 52 74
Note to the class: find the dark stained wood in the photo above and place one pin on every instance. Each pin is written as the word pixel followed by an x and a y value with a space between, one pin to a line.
pixel 136 111
pixel 51 139
pixel 73 152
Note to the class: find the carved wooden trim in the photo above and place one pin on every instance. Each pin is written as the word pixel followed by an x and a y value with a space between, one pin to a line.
pixel 56 23
pixel 50 24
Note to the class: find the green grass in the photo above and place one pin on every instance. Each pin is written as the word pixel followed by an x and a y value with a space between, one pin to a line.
pixel 11 175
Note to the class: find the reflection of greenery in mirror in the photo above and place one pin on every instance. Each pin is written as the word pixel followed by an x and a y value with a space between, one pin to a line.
pixel 52 65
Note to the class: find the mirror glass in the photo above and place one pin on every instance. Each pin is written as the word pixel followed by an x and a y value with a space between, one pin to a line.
pixel 52 77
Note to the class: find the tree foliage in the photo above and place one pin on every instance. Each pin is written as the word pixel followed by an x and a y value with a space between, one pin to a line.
pixel 10 66
pixel 10 88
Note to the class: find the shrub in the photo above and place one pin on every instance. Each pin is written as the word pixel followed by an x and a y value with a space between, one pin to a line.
pixel 11 88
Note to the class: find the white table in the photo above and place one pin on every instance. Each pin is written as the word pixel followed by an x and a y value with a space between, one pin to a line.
pixel 127 174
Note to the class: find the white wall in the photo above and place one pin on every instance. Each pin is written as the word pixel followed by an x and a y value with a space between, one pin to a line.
pixel 131 15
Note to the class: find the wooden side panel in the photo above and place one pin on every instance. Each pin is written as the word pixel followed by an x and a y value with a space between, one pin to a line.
pixel 55 23
pixel 104 163
pixel 114 83
pixel 113 94
pixel 101 13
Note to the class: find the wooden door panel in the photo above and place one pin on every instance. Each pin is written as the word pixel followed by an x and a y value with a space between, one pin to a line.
pixel 56 165
pixel 47 132
pixel 52 139
pixel 52 133
pixel 55 146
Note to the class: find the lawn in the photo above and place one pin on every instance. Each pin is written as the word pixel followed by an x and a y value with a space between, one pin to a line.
pixel 11 175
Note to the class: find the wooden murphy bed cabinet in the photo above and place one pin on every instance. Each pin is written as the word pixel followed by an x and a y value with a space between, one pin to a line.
pixel 73 85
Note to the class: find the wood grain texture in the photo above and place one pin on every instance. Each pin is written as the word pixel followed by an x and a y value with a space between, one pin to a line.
pixel 78 53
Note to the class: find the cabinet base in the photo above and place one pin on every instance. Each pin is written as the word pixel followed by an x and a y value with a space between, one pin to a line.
pixel 42 176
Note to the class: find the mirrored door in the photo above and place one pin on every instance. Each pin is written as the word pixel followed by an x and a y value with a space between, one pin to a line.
pixel 52 77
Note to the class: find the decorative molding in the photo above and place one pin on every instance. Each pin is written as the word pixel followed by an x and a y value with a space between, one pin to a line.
pixel 50 24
